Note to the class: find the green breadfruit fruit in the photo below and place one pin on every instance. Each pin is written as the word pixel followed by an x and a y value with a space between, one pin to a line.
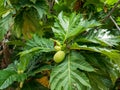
pixel 59 56
pixel 57 48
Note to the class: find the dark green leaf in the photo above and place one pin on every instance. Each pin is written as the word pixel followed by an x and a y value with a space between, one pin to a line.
pixel 41 7
pixel 99 81
pixel 7 77
pixel 34 1
pixel 46 67
pixel 33 85
pixel 111 53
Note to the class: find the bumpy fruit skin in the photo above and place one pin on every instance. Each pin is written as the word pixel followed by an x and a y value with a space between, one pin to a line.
pixel 57 48
pixel 59 56
pixel 20 71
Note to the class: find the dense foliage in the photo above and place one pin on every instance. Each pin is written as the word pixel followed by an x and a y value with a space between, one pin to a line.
pixel 59 44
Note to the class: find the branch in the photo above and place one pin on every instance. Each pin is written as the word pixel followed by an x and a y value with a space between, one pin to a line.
pixel 1 52
pixel 115 23
pixel 108 15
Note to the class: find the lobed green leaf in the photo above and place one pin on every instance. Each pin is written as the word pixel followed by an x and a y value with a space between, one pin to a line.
pixel 67 75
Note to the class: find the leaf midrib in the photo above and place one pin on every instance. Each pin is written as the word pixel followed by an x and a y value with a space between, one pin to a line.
pixel 69 72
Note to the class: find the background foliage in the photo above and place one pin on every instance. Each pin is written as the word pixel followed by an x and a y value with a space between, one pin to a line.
pixel 87 31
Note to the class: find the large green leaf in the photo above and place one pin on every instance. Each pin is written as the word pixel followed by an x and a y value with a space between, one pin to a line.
pixel 101 36
pixel 5 25
pixel 111 53
pixel 41 7
pixel 24 61
pixel 18 24
pixel 3 11
pixel 38 44
pixel 99 82
pixel 67 75
pixel 27 20
pixel 67 27
pixel 34 46
pixel 46 45
pixel 38 41
pixel 104 65
pixel 8 76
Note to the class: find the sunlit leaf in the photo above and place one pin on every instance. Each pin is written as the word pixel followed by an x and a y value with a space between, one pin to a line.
pixel 5 25
pixel 101 36
pixel 111 2
pixel 3 10
pixel 67 27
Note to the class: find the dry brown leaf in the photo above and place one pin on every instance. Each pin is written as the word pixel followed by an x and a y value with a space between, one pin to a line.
pixel 44 81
